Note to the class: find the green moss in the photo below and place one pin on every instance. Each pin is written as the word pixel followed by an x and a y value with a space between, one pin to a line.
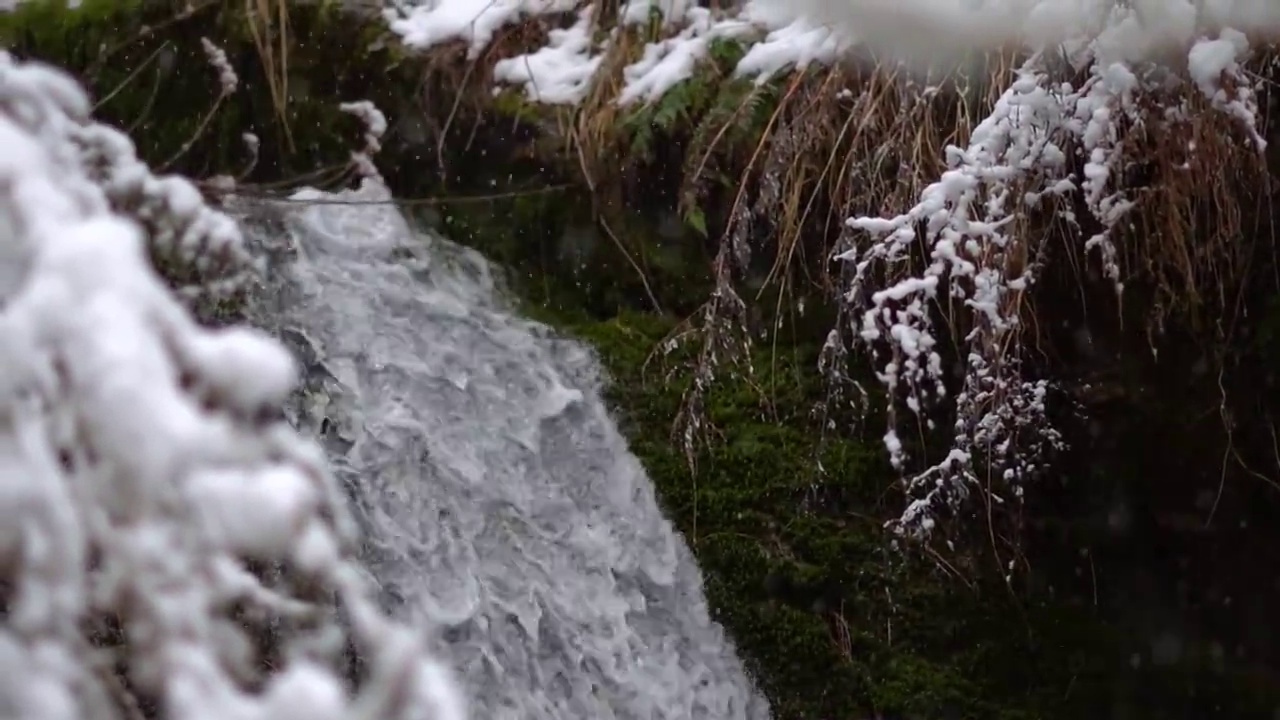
pixel 48 22
pixel 785 578
pixel 144 63
pixel 569 264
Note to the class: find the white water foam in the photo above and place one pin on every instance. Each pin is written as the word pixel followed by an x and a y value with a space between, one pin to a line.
pixel 500 504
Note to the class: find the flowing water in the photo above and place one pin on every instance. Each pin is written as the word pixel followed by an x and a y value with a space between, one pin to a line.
pixel 498 500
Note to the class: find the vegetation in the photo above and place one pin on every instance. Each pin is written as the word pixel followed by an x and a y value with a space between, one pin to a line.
pixel 788 531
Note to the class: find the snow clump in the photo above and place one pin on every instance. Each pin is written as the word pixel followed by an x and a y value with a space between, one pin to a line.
pixel 169 547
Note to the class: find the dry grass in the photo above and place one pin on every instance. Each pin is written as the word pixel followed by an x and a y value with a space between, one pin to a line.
pixel 770 173
pixel 1189 240
pixel 774 171
pixel 268 22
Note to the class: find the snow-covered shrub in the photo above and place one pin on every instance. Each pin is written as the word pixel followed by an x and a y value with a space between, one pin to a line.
pixel 1129 136
pixel 169 547
pixel 1049 162
pixel 198 248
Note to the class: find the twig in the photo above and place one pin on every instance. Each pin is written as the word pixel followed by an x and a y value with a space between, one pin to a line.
pixel 133 75
pixel 755 155
pixel 441 200
pixel 591 187
pixel 191 141
pixel 1225 414
pixel 259 11
pixel 146 109
pixel 448 122
pixel 457 98
pixel 1275 448
pixel 146 32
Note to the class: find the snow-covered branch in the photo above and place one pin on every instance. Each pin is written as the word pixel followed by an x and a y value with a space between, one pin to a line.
pixel 1050 147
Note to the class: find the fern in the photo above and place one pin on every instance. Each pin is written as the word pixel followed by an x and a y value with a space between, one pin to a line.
pixel 684 102
pixel 696 219
pixel 754 118
pixel 726 53
pixel 679 108
pixel 638 128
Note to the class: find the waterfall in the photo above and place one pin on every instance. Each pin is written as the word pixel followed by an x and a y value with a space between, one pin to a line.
pixel 500 505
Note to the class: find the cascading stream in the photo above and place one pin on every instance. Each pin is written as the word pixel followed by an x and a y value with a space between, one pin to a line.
pixel 498 500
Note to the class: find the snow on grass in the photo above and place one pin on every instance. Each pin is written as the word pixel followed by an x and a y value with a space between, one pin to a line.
pixel 562 70
pixel 966 220
pixel 475 22
pixel 796 45
pixel 144 474
pixel 974 222
pixel 559 73
pixel 674 59
pixel 785 34
pixel 1019 160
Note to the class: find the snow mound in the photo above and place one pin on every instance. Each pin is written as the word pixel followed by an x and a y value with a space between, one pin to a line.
pixel 168 546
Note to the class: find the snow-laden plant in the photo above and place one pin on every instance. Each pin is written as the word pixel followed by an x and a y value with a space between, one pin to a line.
pixel 1052 154
pixel 169 548
pixel 198 247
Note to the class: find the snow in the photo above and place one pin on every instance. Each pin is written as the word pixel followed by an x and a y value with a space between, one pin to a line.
pixel 375 126
pixel 1209 59
pixel 562 70
pixel 141 467
pixel 228 81
pixel 674 59
pixel 243 368
pixel 794 45
pixel 559 73
pixel 476 22
pixel 786 34
pixel 256 514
